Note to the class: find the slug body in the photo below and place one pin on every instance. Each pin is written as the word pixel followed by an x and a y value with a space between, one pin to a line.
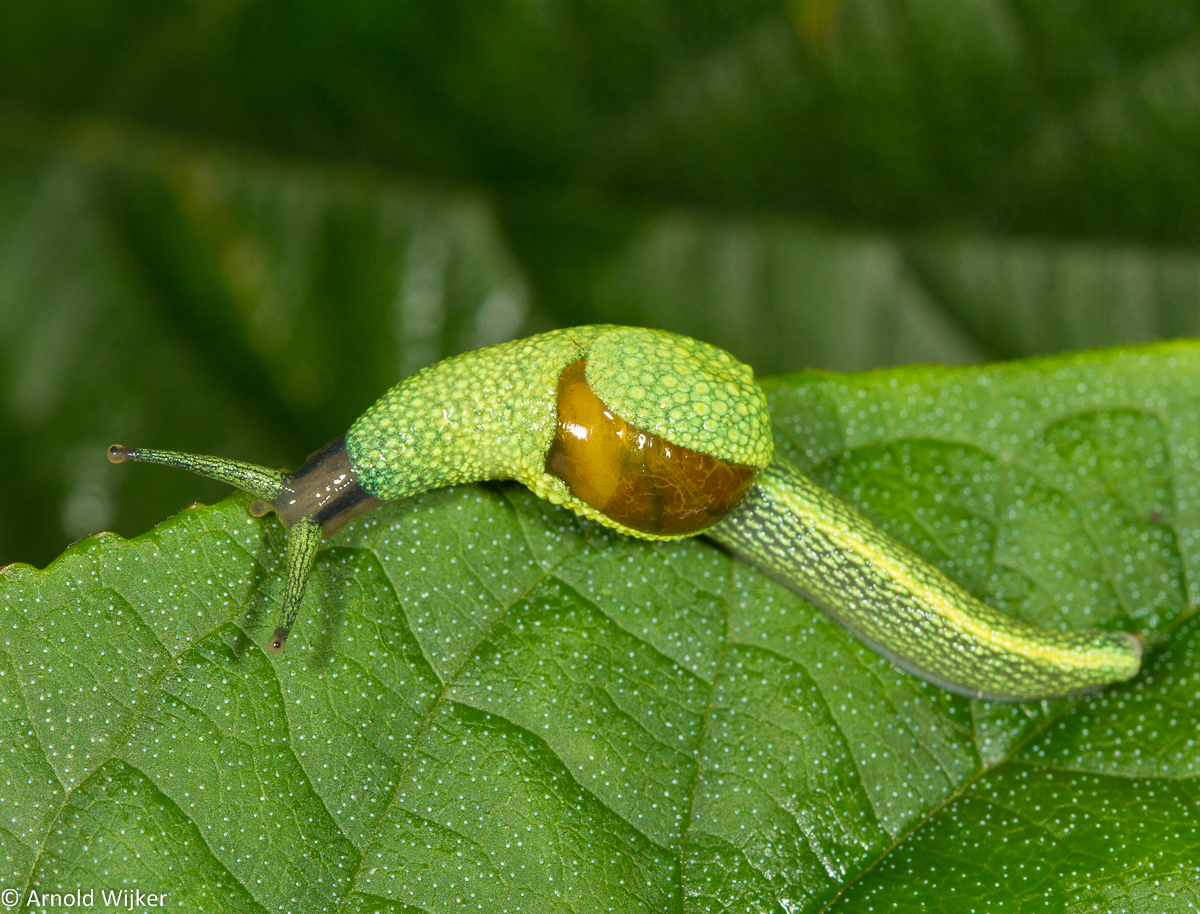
pixel 659 436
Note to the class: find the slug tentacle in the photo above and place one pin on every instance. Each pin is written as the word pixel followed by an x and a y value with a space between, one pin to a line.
pixel 258 481
pixel 904 608
pixel 303 540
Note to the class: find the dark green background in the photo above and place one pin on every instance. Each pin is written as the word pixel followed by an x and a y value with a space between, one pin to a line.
pixel 228 227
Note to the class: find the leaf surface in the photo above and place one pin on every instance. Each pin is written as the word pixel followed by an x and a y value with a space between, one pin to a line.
pixel 490 704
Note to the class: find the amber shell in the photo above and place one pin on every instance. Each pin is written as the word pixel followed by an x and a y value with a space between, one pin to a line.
pixel 637 479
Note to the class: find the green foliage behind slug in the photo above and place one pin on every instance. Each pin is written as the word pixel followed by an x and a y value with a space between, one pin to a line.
pixel 226 228
pixel 494 705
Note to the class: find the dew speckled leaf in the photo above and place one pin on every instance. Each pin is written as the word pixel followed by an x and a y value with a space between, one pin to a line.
pixel 491 705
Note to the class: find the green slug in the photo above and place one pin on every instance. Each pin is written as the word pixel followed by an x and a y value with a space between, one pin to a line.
pixel 659 436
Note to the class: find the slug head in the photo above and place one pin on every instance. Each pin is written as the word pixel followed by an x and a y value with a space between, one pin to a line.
pixel 314 502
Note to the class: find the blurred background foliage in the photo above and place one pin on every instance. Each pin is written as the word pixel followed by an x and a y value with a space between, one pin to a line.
pixel 228 226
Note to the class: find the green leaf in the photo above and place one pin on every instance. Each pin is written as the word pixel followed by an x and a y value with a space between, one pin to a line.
pixel 492 705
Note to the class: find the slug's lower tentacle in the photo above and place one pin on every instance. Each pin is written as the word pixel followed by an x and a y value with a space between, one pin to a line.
pixel 904 608
pixel 303 539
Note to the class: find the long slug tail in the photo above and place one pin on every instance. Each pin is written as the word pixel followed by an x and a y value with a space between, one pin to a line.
pixel 258 481
pixel 904 608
